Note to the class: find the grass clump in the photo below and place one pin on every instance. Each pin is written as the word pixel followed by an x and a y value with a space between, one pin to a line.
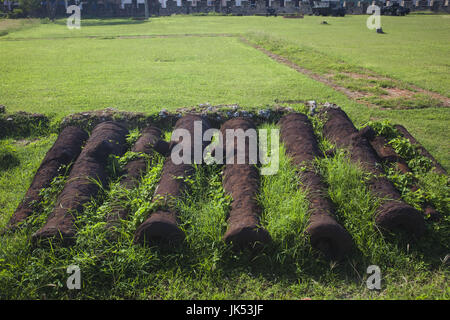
pixel 285 211
pixel 416 101
pixel 8 158
pixel 23 124
pixel 203 212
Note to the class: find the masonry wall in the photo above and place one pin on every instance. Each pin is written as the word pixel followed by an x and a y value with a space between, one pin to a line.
pixel 103 8
pixel 353 7
pixel 169 7
pixel 229 7
pixel 259 7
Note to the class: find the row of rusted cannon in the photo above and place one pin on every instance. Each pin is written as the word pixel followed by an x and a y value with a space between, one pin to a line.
pixel 89 155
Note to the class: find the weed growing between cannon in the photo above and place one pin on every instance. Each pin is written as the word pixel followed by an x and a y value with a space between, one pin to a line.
pixel 432 186
pixel 285 212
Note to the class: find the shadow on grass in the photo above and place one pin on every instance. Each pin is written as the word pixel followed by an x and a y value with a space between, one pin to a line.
pixel 218 272
pixel 431 248
pixel 8 156
pixel 8 160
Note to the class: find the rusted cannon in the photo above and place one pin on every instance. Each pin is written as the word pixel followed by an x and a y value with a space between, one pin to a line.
pixel 326 234
pixel 242 182
pixel 162 226
pixel 107 138
pixel 393 214
pixel 387 154
pixel 424 152
pixel 64 151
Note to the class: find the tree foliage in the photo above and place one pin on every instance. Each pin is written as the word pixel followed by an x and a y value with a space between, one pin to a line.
pixel 29 6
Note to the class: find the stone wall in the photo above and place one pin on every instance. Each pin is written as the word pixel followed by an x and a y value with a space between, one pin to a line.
pixel 114 8
pixel 427 5
pixel 259 7
pixel 234 7
pixel 360 7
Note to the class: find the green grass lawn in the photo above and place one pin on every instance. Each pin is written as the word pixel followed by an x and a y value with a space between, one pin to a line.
pixel 49 69
pixel 419 41
pixel 70 75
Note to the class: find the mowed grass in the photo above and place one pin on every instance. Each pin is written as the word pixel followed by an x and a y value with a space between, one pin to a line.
pixel 415 40
pixel 71 75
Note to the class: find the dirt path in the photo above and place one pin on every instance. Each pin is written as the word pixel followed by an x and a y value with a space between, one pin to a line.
pixel 352 94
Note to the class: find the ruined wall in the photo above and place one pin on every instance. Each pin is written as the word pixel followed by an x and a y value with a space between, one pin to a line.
pixel 355 7
pixel 259 7
pixel 135 8
pixel 235 7
pixel 360 7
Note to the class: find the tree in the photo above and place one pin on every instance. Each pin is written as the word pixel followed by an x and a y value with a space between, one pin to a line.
pixel 51 9
pixel 29 6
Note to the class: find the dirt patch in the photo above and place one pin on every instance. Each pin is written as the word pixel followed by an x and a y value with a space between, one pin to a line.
pixel 326 234
pixel 185 35
pixel 398 93
pixel 64 151
pixel 351 94
pixel 392 214
pixel 107 138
